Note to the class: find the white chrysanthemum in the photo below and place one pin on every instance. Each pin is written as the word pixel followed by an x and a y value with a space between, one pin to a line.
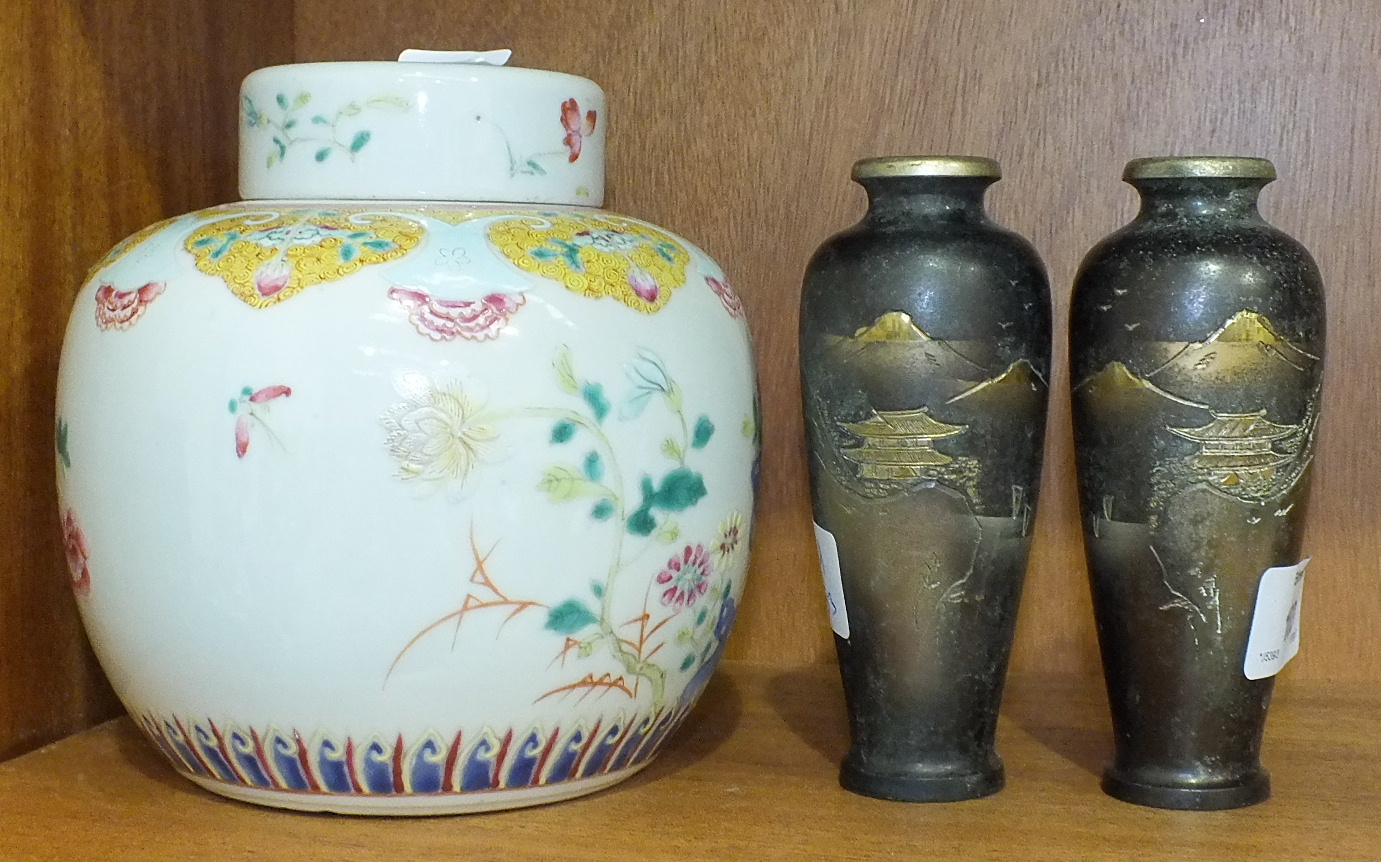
pixel 437 434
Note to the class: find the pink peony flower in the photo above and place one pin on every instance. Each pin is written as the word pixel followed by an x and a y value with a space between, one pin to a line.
pixel 726 296
pixel 119 309
pixel 447 319
pixel 272 277
pixel 643 284
pixel 576 131
pixel 74 543
pixel 688 577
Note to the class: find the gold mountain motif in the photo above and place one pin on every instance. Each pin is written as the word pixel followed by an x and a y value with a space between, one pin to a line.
pixel 894 326
pixel 898 444
pixel 1119 377
pixel 1245 345
pixel 1019 374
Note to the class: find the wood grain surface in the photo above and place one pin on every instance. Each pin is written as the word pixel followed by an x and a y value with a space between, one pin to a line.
pixel 751 777
pixel 112 116
pixel 736 124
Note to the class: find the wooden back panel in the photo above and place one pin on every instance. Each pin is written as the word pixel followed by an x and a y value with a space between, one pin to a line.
pixel 734 124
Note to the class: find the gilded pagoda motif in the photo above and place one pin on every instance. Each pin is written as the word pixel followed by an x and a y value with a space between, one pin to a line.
pixel 899 444
pixel 1235 449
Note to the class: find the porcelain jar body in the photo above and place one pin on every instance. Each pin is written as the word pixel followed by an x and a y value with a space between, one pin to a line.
pixel 399 507
pixel 925 350
pixel 1196 349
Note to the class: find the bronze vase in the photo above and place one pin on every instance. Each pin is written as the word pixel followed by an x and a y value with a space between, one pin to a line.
pixel 1196 342
pixel 925 351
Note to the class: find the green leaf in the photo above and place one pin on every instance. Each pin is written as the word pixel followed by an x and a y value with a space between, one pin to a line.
pixel 536 169
pixel 674 397
pixel 688 662
pixel 379 245
pixel 289 124
pixel 602 511
pixel 282 101
pixel 704 430
pixel 323 153
pixel 320 120
pixel 570 617
pixel 565 370
pixel 348 251
pixel 272 159
pixel 247 391
pixel 597 588
pixel 680 489
pixel 672 449
pixel 669 533
pixel 641 522
pixel 349 110
pixel 594 467
pixel 562 483
pixel 748 427
pixel 389 103
pixel 62 445
pixel 234 405
pixel 700 617
pixel 357 143
pixel 562 431
pixel 593 393
pixel 302 99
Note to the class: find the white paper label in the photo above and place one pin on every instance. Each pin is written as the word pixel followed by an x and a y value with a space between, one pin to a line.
pixel 1274 639
pixel 475 58
pixel 834 582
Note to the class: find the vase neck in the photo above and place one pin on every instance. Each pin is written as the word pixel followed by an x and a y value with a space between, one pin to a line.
pixel 1192 198
pixel 898 202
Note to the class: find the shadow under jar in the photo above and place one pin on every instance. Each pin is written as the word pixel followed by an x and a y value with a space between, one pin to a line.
pixel 1196 342
pixel 925 349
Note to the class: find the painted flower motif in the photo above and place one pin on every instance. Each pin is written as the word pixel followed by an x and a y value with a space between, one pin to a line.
pixel 74 541
pixel 576 129
pixel 247 411
pixel 437 434
pixel 643 283
pixel 730 537
pixel 447 319
pixel 272 277
pixel 687 577
pixel 612 241
pixel 119 309
pixel 726 295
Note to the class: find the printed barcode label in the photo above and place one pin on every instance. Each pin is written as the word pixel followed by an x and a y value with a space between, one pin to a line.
pixel 834 581
pixel 1274 638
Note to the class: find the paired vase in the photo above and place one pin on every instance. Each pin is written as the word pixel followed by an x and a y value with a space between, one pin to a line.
pixel 1196 345
pixel 925 356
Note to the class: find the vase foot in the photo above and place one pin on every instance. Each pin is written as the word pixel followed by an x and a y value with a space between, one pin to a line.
pixel 922 788
pixel 1249 791
pixel 418 804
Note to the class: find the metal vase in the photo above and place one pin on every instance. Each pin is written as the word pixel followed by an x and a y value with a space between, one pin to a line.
pixel 1197 343
pixel 925 350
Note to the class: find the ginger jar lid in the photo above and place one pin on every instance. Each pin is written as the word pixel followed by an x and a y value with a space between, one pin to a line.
pixel 434 126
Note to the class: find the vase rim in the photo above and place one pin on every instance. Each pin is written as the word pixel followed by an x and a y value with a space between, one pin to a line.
pixel 927 166
pixel 1181 167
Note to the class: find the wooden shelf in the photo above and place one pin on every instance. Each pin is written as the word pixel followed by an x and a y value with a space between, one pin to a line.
pixel 752 776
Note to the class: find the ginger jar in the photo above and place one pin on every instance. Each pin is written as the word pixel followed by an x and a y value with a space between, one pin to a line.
pixel 415 483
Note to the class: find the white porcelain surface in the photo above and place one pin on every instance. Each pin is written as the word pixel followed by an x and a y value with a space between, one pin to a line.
pixel 373 502
pixel 421 131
